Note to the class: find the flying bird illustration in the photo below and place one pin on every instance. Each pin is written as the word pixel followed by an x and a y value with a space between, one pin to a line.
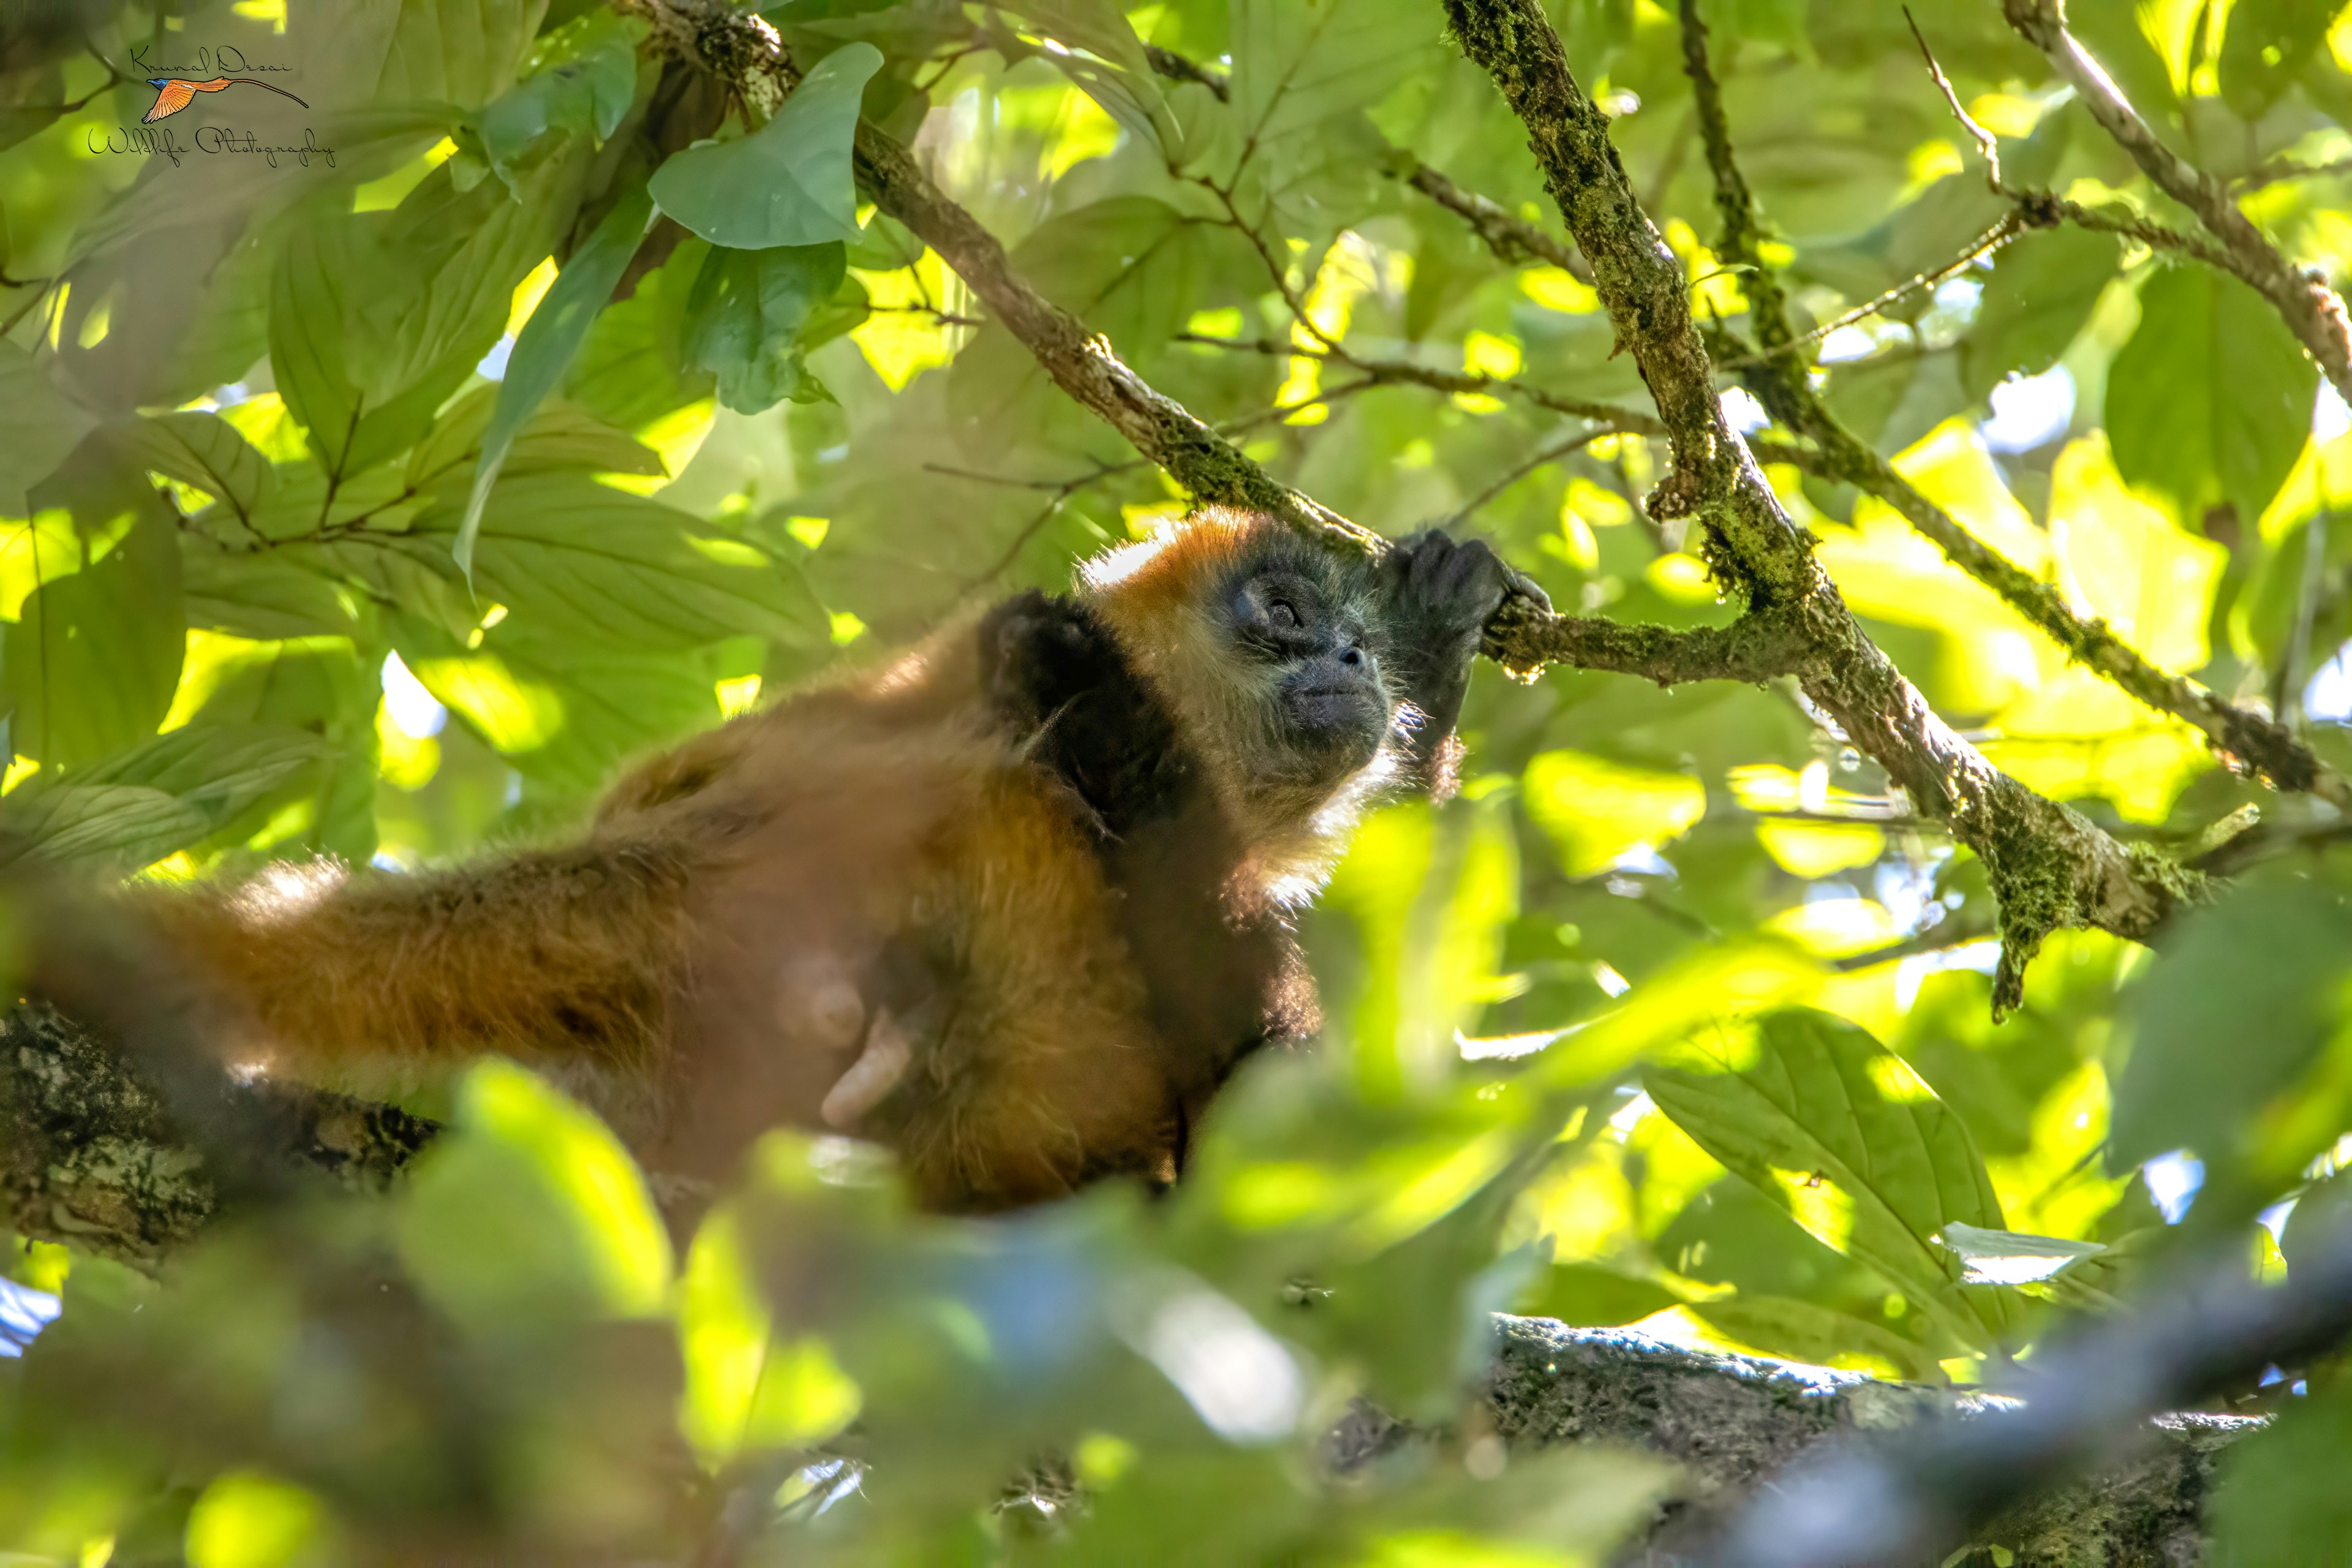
pixel 173 93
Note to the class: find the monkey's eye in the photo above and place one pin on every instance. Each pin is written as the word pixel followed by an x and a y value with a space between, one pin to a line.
pixel 1281 616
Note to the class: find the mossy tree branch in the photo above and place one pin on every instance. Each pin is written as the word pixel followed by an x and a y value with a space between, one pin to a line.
pixel 1780 380
pixel 96 1155
pixel 2048 867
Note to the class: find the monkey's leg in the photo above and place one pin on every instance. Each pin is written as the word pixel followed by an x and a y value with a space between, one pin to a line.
pixel 564 957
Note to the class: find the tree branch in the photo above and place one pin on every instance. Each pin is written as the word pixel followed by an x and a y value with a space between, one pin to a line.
pixel 2048 867
pixel 1736 1427
pixel 2255 739
pixel 1513 241
pixel 1758 648
pixel 92 1154
pixel 2312 310
pixel 1397 373
pixel 1912 1500
pixel 1786 390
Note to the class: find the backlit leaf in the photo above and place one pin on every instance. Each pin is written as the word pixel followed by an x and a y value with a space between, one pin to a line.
pixel 787 182
pixel 2210 400
pixel 1843 1136
pixel 2207 1051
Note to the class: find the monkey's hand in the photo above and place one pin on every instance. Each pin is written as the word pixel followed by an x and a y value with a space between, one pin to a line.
pixel 1439 596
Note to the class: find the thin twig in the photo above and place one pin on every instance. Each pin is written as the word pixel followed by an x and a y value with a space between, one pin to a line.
pixel 1551 454
pixel 944 318
pixel 1395 372
pixel 1515 242
pixel 2279 169
pixel 1177 68
pixel 2045 209
pixel 1984 245
pixel 1987 142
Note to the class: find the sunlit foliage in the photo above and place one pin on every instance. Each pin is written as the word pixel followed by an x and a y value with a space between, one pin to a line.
pixel 340 514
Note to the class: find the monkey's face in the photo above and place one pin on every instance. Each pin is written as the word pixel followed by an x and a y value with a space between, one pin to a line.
pixel 1317 674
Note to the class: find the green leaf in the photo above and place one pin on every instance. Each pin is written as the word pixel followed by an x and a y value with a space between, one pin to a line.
pixel 2041 291
pixel 1596 809
pixel 1136 270
pixel 2210 1050
pixel 2210 400
pixel 585 95
pixel 42 426
pixel 543 350
pixel 1795 1330
pixel 560 436
pixel 2267 46
pixel 307 306
pixel 411 572
pixel 216 770
pixel 96 656
pixel 788 183
pixel 748 314
pixel 1587 1295
pixel 2281 1496
pixel 376 318
pixel 1839 1133
pixel 264 596
pixel 205 451
pixel 617 571
pixel 530 1212
pixel 1105 59
pixel 615 707
pixel 1297 64
pixel 456 51
pixel 131 825
pixel 632 371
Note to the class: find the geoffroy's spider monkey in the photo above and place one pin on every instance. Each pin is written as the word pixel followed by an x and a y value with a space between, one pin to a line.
pixel 1071 832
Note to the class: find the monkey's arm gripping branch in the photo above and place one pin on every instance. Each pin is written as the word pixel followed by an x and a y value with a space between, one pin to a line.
pixel 2048 867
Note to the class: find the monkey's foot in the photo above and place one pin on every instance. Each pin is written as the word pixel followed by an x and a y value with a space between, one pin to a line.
pixel 874 1073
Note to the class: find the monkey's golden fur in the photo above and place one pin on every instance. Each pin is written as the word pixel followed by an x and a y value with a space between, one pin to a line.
pixel 642 962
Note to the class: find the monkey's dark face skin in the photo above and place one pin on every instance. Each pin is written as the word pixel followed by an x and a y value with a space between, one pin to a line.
pixel 1329 702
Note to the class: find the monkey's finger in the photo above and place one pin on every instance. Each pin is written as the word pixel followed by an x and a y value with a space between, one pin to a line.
pixel 818 1001
pixel 1528 588
pixel 874 1073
